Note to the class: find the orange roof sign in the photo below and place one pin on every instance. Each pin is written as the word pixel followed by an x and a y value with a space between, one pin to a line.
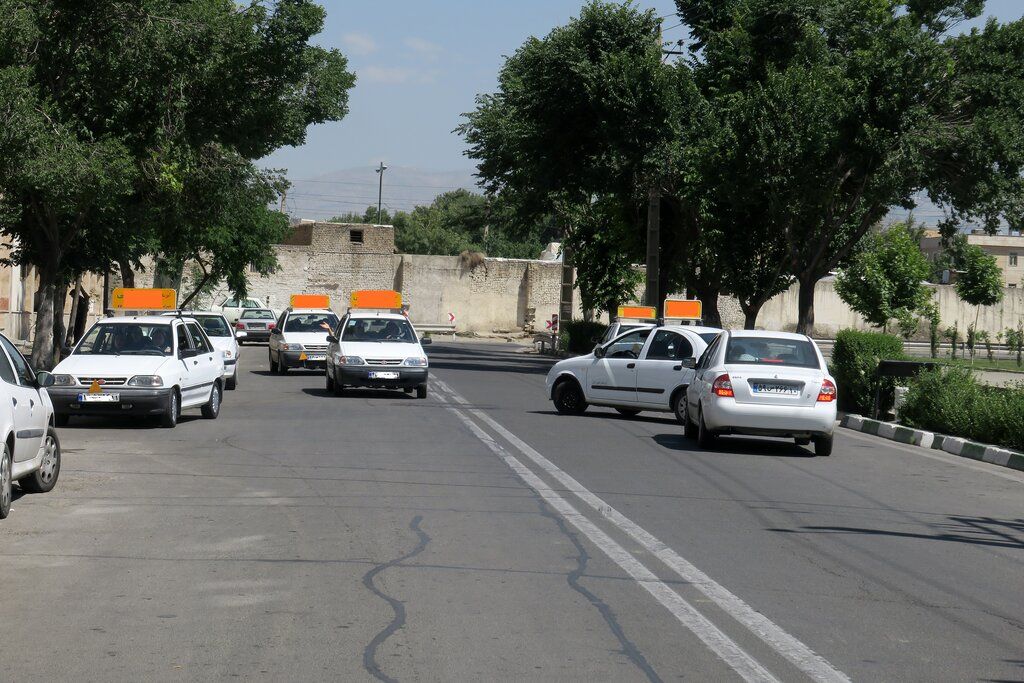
pixel 638 312
pixel 310 301
pixel 376 298
pixel 683 309
pixel 144 299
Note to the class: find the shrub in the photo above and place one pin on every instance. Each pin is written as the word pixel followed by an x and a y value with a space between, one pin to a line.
pixel 577 336
pixel 952 402
pixel 855 359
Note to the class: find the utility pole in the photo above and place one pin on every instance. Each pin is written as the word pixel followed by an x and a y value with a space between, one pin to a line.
pixel 653 249
pixel 380 188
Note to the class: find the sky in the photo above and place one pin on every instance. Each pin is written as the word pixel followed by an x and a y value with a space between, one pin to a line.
pixel 420 65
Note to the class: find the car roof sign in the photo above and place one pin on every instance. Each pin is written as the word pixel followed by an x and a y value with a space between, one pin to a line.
pixel 310 301
pixel 637 313
pixel 137 299
pixel 384 299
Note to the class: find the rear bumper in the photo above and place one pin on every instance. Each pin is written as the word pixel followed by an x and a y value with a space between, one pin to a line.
pixel 408 378
pixel 726 416
pixel 255 335
pixel 132 401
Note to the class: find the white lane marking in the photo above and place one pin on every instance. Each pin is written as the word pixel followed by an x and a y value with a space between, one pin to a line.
pixel 718 642
pixel 803 657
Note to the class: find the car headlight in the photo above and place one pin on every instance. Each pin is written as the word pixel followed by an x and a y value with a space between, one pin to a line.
pixel 291 347
pixel 146 381
pixel 64 381
pixel 348 360
pixel 228 354
pixel 415 361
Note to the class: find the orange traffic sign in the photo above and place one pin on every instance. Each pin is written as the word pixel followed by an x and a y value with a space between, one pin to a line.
pixel 144 299
pixel 638 312
pixel 310 301
pixel 683 309
pixel 376 298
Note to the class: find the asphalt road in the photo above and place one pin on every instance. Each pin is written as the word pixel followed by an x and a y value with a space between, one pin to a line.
pixel 477 535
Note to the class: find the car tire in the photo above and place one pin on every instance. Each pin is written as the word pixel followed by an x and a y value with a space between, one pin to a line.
pixel 823 446
pixel 211 409
pixel 270 359
pixel 329 380
pixel 61 419
pixel 679 406
pixel 6 490
pixel 705 438
pixel 689 428
pixel 232 382
pixel 282 368
pixel 569 398
pixel 45 478
pixel 421 391
pixel 169 419
pixel 339 388
pixel 627 412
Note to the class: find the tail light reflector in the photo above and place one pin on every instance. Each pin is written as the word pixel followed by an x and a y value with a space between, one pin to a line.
pixel 239 326
pixel 722 386
pixel 827 394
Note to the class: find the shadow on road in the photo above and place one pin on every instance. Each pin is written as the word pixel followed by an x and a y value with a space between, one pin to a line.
pixel 650 418
pixel 986 531
pixel 736 446
pixel 359 393
pixel 122 422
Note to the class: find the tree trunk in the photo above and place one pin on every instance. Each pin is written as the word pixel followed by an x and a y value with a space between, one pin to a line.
pixel 127 274
pixel 709 301
pixel 805 306
pixel 750 313
pixel 60 332
pixel 42 342
pixel 167 275
pixel 76 298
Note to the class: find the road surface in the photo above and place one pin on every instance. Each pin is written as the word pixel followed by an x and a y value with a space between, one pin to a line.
pixel 477 535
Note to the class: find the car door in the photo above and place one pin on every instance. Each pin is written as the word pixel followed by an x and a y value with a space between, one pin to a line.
pixel 660 368
pixel 277 337
pixel 29 412
pixel 701 383
pixel 612 377
pixel 190 377
pixel 205 367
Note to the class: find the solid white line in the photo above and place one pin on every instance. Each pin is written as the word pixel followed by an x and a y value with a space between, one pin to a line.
pixel 803 657
pixel 718 642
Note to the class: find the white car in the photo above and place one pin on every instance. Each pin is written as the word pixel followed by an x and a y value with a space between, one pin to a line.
pixel 376 349
pixel 646 368
pixel 147 365
pixel 31 449
pixel 299 339
pixel 232 308
pixel 223 338
pixel 763 383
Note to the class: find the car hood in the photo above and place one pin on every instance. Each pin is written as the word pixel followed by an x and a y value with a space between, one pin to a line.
pixel 384 350
pixel 110 366
pixel 319 338
pixel 223 343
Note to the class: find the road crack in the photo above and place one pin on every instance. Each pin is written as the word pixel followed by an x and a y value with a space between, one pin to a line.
pixel 397 606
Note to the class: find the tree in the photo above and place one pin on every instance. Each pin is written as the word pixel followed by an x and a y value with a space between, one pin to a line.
pixel 979 281
pixel 121 114
pixel 885 279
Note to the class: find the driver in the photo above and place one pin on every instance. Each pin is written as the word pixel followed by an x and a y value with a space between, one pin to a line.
pixel 160 337
pixel 391 331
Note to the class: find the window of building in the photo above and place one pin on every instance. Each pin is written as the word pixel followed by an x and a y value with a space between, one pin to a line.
pixel 355 236
pixel 1013 260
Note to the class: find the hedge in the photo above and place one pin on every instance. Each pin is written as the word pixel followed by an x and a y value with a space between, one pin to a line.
pixel 577 336
pixel 952 402
pixel 854 364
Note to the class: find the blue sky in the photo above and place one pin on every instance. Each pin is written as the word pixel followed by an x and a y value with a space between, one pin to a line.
pixel 419 66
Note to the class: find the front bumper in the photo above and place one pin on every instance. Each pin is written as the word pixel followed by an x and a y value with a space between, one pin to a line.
pixel 291 360
pixel 359 376
pixel 132 401
pixel 726 416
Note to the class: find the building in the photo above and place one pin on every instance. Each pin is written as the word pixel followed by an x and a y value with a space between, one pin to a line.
pixel 1008 251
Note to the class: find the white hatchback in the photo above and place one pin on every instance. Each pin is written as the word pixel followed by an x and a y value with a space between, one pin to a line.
pixel 224 338
pixel 299 339
pixel 762 383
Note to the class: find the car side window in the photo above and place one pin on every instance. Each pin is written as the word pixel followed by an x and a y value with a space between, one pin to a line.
pixel 668 345
pixel 252 303
pixel 198 340
pixel 21 366
pixel 230 303
pixel 183 338
pixel 7 370
pixel 628 345
pixel 708 354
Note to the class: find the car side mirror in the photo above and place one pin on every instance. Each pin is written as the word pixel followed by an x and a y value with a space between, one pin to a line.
pixel 241 334
pixel 426 341
pixel 598 351
pixel 331 339
pixel 689 362
pixel 187 353
pixel 44 379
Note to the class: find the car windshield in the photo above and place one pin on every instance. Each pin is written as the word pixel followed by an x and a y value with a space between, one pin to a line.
pixel 258 315
pixel 771 351
pixel 709 337
pixel 214 325
pixel 127 339
pixel 311 322
pixel 378 330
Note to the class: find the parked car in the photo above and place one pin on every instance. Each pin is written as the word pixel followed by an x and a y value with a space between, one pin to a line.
pixel 146 365
pixel 255 325
pixel 223 338
pixel 233 308
pixel 31 449
pixel 764 384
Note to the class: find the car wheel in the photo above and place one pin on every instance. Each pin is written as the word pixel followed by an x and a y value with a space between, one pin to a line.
pixel 569 398
pixel 329 379
pixel 679 406
pixel 705 438
pixel 628 412
pixel 689 428
pixel 339 388
pixel 170 417
pixel 282 368
pixel 45 478
pixel 823 446
pixel 212 407
pixel 421 391
pixel 270 359
pixel 61 419
pixel 6 495
pixel 802 440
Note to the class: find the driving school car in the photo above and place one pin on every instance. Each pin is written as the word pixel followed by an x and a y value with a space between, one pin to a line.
pixel 376 346
pixel 299 340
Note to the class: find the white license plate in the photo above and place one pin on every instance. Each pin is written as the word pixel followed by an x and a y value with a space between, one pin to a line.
pixel 383 375
pixel 776 389
pixel 99 398
pixel 316 356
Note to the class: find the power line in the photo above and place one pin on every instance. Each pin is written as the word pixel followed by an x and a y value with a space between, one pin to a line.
pixel 353 182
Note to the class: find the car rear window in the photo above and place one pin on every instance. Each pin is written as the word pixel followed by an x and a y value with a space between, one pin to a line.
pixel 258 315
pixel 771 351
pixel 214 325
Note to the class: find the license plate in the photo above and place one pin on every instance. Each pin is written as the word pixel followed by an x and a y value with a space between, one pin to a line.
pixel 99 398
pixel 778 389
pixel 383 375
pixel 316 356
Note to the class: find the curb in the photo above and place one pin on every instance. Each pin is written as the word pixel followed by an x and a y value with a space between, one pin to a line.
pixel 950 444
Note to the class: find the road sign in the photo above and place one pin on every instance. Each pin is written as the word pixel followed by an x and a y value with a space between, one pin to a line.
pixel 451 318
pixel 552 324
pixel 310 301
pixel 144 299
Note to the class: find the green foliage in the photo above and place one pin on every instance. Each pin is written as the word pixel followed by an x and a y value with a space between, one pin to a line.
pixel 885 279
pixel 854 363
pixel 952 402
pixel 577 336
pixel 1015 341
pixel 980 282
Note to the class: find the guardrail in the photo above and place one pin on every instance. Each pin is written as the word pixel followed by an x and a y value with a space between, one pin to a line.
pixel 435 328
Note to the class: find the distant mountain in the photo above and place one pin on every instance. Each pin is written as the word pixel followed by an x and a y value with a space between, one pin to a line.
pixel 354 189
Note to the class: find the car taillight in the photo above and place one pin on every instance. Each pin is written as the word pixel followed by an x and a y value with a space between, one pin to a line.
pixel 239 326
pixel 270 326
pixel 827 394
pixel 722 386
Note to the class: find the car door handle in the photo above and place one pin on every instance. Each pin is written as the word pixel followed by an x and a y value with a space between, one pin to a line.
pixel 195 362
pixel 630 365
pixel 677 367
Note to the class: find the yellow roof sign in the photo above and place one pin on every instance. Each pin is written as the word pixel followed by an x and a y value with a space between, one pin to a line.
pixel 683 309
pixel 376 298
pixel 638 312
pixel 310 301
pixel 144 299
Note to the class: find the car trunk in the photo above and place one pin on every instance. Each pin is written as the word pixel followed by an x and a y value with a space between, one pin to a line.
pixel 777 386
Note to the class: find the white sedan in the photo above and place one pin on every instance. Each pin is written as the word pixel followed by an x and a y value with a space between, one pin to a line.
pixel 647 368
pixel 763 384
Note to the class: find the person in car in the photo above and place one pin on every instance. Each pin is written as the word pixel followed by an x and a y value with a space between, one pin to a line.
pixel 160 339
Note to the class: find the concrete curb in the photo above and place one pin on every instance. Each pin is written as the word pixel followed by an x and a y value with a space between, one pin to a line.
pixel 950 444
